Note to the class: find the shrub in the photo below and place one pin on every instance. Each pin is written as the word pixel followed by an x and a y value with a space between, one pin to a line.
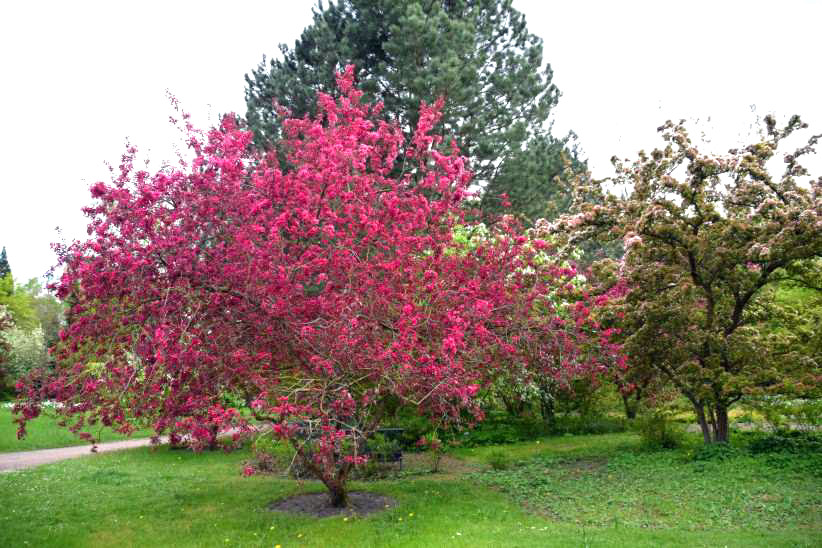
pixel 412 427
pixel 790 441
pixel 499 460
pixel 27 351
pixel 380 448
pixel 267 456
pixel 432 445
pixel 588 424
pixel 503 429
pixel 658 432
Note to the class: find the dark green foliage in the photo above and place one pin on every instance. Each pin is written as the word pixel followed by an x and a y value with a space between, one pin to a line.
pixel 413 427
pixel 477 54
pixel 534 180
pixel 5 269
pixel 383 448
pixel 588 424
pixel 790 441
pixel 498 429
pixel 658 432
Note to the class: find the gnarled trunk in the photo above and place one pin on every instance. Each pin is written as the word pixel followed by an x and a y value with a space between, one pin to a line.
pixel 514 405
pixel 337 493
pixel 714 424
pixel 332 477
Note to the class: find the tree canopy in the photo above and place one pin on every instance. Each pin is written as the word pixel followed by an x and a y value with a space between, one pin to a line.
pixel 477 54
pixel 707 239
pixel 320 295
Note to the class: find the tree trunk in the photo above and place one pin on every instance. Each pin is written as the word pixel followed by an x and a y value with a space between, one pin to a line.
pixel 513 405
pixel 630 408
pixel 721 434
pixel 715 425
pixel 703 422
pixel 212 442
pixel 337 494
pixel 712 420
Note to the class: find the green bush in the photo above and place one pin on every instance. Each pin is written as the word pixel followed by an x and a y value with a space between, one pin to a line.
pixel 500 429
pixel 383 449
pixel 413 428
pixel 499 460
pixel 658 431
pixel 27 352
pixel 268 455
pixel 588 424
pixel 791 441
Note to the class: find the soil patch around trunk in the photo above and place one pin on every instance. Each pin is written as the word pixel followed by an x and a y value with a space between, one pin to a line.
pixel 360 503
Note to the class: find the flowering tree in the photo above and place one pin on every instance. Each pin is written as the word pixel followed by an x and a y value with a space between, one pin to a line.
pixel 319 291
pixel 26 351
pixel 706 239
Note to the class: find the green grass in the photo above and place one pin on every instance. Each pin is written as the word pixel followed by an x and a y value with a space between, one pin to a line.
pixel 569 491
pixel 663 490
pixel 43 433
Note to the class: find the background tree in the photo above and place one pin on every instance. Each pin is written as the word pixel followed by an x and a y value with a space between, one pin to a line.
pixel 706 239
pixel 25 352
pixel 5 269
pixel 477 54
pixel 5 376
pixel 323 293
pixel 48 310
pixel 18 303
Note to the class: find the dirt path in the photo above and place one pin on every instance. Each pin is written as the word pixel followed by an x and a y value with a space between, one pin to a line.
pixel 30 459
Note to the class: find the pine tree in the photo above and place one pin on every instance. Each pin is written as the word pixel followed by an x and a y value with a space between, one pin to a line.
pixel 477 54
pixel 5 269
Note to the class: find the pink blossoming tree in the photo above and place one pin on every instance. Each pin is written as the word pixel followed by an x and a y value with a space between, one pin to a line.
pixel 318 290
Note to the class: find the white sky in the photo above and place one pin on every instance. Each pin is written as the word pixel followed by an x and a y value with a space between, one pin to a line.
pixel 80 77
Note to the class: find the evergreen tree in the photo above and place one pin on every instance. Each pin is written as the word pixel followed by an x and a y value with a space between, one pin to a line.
pixel 477 54
pixel 5 269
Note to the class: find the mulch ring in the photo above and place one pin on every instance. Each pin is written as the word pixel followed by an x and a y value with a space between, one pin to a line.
pixel 360 503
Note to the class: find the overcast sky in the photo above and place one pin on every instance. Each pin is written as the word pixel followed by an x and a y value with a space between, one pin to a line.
pixel 80 77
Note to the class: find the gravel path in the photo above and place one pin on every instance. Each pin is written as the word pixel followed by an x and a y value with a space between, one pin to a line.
pixel 30 459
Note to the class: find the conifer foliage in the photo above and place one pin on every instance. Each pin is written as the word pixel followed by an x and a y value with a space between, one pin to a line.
pixel 477 54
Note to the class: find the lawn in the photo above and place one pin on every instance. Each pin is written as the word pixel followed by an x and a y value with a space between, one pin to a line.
pixel 43 433
pixel 565 491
